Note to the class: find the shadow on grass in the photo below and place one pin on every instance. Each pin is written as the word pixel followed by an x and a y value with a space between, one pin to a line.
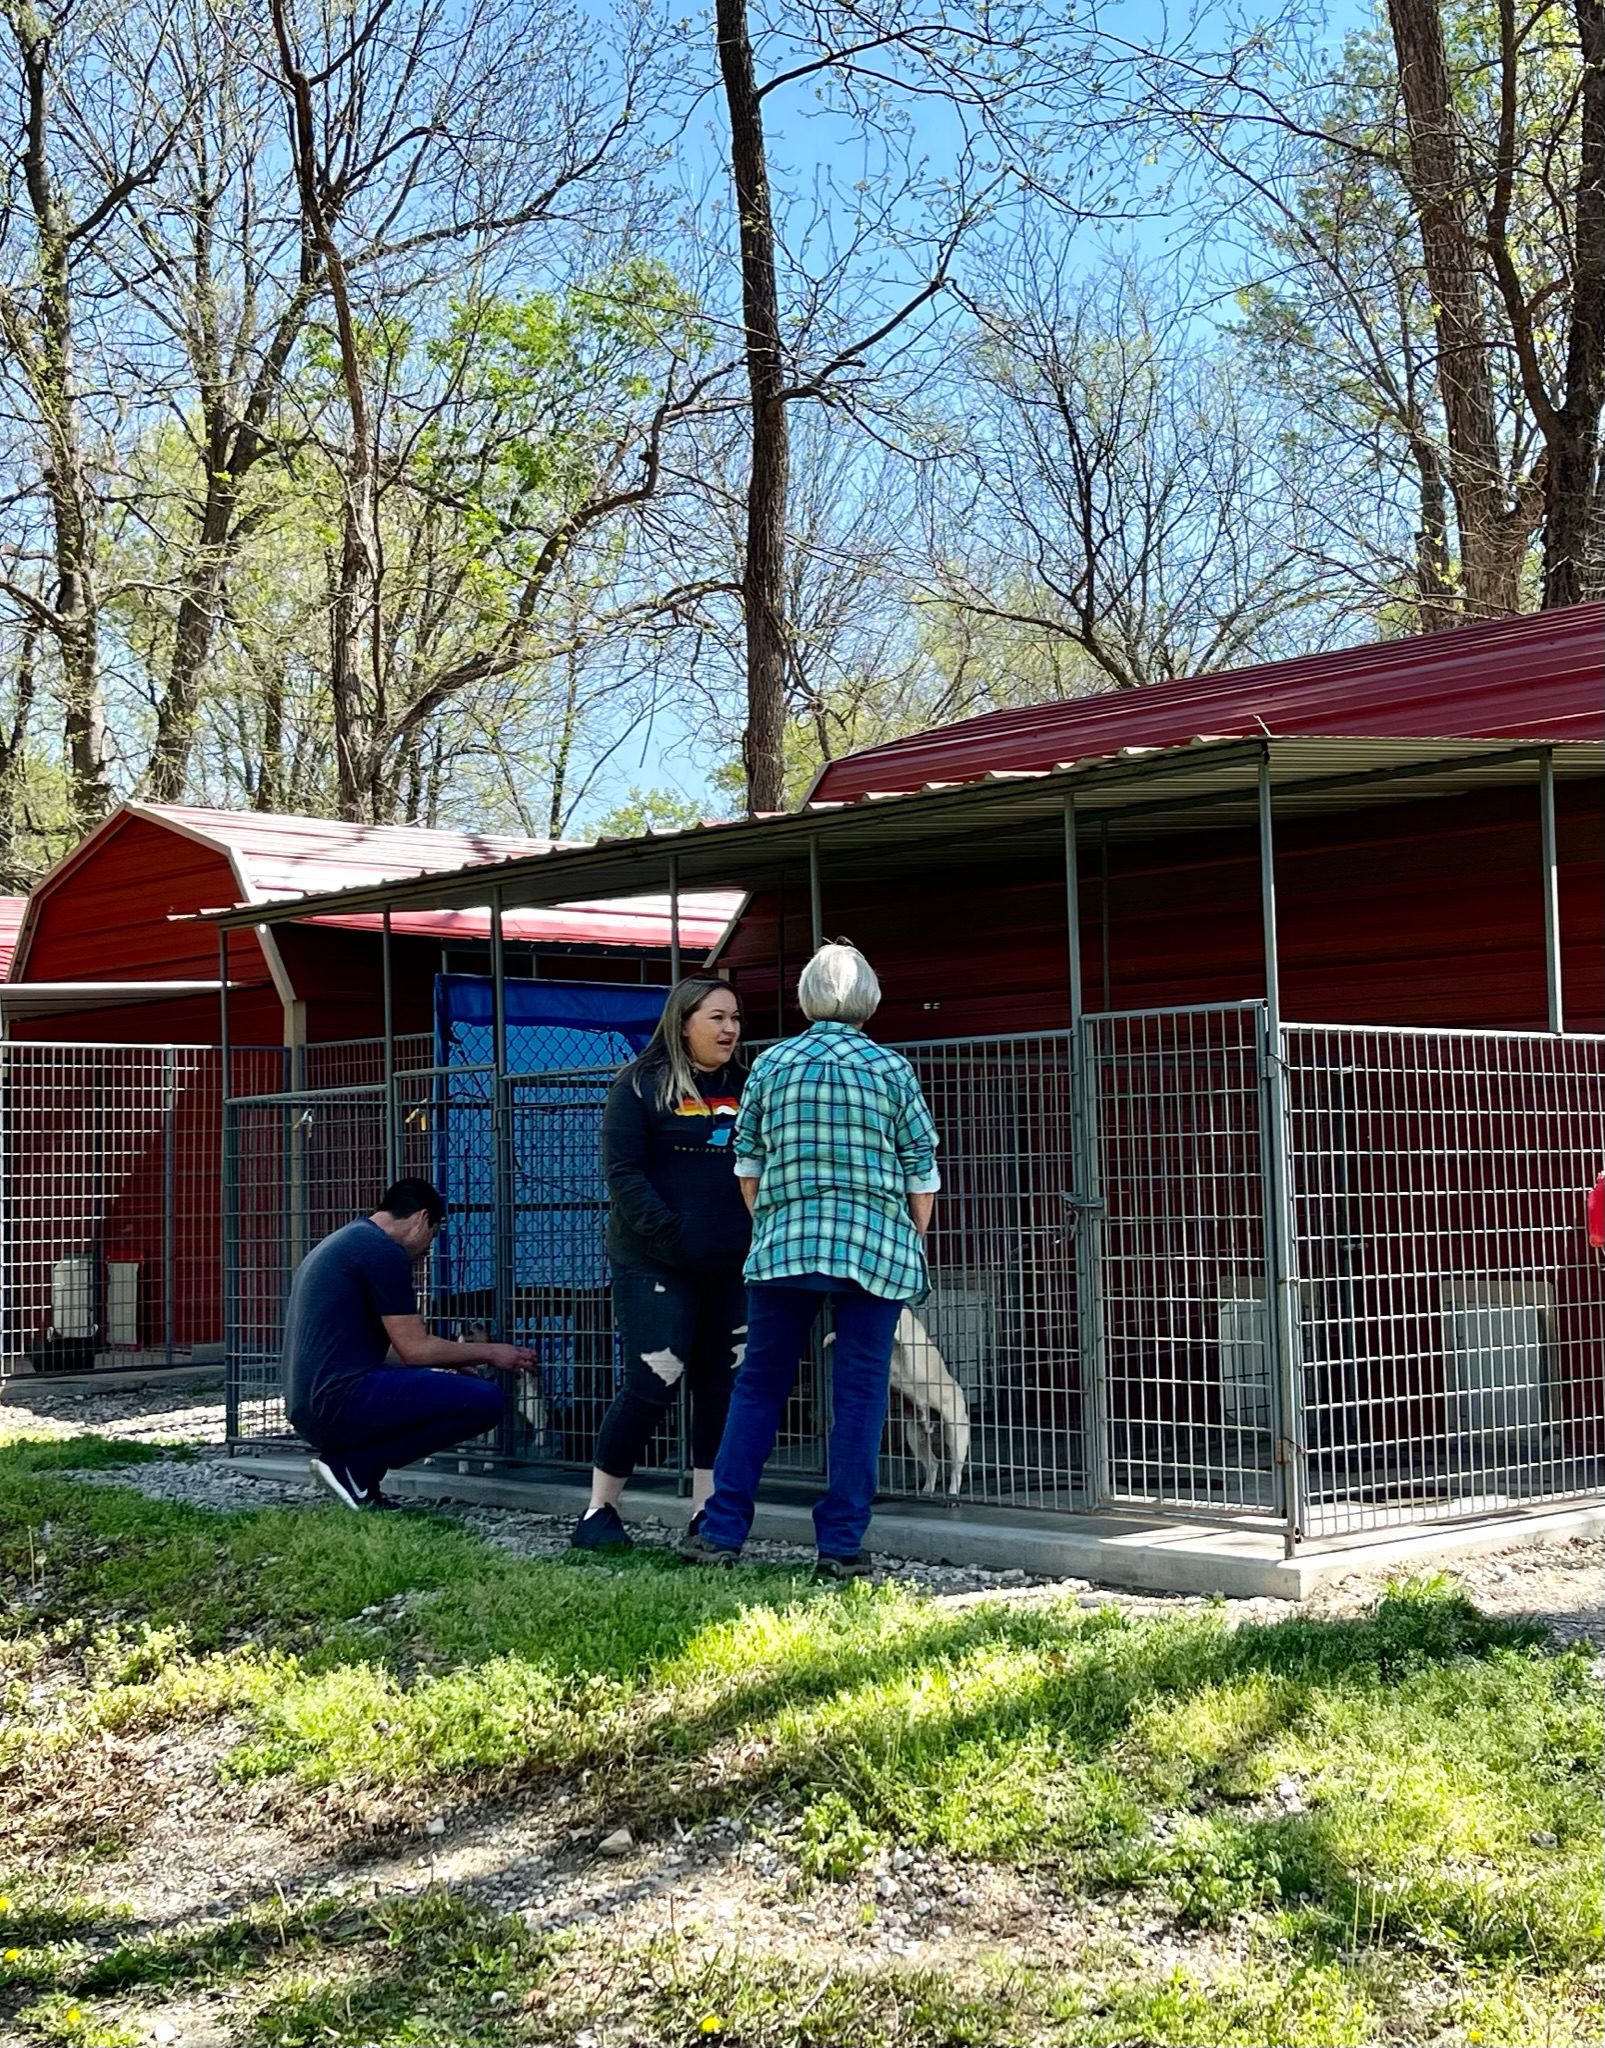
pixel 1029 1735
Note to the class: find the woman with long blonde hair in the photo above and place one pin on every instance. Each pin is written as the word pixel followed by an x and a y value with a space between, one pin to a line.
pixel 678 1232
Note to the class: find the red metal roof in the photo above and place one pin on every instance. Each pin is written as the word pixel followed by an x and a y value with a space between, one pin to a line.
pixel 620 921
pixel 11 913
pixel 1540 677
pixel 272 857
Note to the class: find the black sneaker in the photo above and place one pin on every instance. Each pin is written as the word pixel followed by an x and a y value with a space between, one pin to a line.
pixel 859 1566
pixel 602 1531
pixel 694 1526
pixel 696 1549
pixel 377 1503
pixel 333 1477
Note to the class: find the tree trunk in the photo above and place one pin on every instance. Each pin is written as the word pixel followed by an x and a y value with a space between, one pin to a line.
pixel 1438 190
pixel 13 764
pixel 47 363
pixel 353 623
pixel 1436 608
pixel 763 571
pixel 269 793
pixel 1572 540
pixel 198 609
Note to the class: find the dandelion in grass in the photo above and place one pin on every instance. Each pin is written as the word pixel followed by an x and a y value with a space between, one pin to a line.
pixel 710 2023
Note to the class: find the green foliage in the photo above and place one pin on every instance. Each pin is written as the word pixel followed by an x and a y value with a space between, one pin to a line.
pixel 833 1842
pixel 649 810
pixel 73 1453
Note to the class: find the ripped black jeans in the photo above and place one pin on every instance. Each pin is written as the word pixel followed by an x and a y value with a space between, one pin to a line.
pixel 672 1326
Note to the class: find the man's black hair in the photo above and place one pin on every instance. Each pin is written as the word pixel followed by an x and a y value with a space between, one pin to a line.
pixel 405 1198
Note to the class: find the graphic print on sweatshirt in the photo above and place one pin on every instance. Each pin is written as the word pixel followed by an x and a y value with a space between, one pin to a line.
pixel 721 1108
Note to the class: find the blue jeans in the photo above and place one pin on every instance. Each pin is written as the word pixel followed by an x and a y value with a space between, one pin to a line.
pixel 779 1319
pixel 397 1414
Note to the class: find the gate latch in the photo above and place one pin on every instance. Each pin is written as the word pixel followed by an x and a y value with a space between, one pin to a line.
pixel 1087 1205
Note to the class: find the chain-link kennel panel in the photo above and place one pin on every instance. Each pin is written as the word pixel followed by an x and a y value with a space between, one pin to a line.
pixel 1452 1314
pixel 298 1166
pixel 986 1401
pixel 360 1062
pixel 110 1203
pixel 1178 1219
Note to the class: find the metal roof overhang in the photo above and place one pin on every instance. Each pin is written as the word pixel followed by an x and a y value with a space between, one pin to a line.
pixel 1136 794
pixel 54 998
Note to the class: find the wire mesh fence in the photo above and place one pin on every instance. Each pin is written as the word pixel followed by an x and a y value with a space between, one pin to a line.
pixel 1178 1165
pixel 990 1408
pixel 110 1198
pixel 1452 1316
pixel 1449 1334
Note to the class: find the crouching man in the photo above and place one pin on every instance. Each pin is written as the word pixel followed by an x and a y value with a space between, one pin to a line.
pixel 351 1304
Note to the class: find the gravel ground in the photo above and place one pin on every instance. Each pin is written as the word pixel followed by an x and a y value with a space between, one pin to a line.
pixel 1561 1584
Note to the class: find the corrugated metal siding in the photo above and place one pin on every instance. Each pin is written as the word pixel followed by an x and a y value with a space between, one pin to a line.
pixel 11 909
pixel 1541 677
pixel 289 856
pixel 107 918
pixel 1419 914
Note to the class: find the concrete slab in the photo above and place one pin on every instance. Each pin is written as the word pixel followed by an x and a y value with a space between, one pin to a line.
pixel 113 1379
pixel 1158 1556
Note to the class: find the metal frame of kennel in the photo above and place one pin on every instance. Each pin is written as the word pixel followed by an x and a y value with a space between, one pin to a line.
pixel 1169 1245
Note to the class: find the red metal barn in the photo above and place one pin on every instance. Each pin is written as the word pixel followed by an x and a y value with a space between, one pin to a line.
pixel 1263 1018
pixel 113 1157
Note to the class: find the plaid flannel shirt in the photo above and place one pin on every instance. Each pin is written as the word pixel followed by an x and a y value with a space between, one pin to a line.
pixel 836 1133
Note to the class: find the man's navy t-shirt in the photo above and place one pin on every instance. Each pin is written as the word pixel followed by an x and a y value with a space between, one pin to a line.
pixel 333 1328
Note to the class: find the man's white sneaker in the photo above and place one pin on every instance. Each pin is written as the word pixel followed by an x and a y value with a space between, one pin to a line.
pixel 335 1479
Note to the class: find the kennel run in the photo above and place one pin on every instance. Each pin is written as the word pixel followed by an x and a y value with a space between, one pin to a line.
pixel 1194 1255
pixel 111 1085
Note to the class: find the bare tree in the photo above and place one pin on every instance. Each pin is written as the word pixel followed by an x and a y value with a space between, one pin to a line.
pixel 1498 156
pixel 403 87
pixel 998 74
pixel 1117 490
pixel 54 219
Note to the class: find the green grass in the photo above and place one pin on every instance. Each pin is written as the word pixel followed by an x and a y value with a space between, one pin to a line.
pixel 1398 1814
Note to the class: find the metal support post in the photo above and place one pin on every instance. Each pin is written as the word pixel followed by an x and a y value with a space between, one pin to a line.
pixel 1546 802
pixel 1282 1322
pixel 392 1133
pixel 169 1200
pixel 674 917
pixel 1084 1200
pixel 230 1205
pixel 816 911
pixel 501 1133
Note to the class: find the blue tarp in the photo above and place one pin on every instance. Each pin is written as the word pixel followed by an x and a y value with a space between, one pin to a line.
pixel 567 1039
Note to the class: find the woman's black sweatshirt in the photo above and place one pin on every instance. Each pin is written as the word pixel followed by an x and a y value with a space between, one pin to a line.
pixel 673 1196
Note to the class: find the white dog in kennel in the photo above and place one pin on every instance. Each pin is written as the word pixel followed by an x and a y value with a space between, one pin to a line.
pixel 929 1418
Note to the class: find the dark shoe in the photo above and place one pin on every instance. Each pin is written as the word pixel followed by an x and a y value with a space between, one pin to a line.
pixel 698 1550
pixel 377 1503
pixel 601 1531
pixel 694 1526
pixel 333 1477
pixel 859 1566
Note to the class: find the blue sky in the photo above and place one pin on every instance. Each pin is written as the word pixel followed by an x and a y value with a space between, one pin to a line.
pixel 808 149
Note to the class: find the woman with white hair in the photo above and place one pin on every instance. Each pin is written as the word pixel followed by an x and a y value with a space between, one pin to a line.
pixel 836 1157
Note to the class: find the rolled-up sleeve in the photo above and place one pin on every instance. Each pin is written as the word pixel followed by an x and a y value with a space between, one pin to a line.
pixel 917 1141
pixel 750 1145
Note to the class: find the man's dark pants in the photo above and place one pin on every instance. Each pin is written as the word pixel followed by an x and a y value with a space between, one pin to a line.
pixel 395 1415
